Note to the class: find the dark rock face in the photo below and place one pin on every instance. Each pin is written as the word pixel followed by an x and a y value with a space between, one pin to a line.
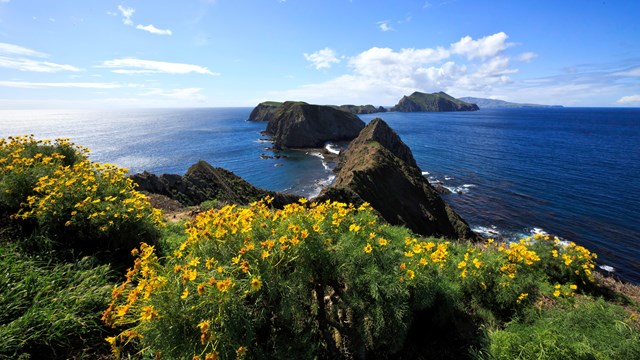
pixel 301 125
pixel 421 102
pixel 264 111
pixel 204 182
pixel 379 168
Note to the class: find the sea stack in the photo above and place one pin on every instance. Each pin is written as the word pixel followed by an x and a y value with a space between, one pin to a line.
pixel 436 102
pixel 379 168
pixel 302 125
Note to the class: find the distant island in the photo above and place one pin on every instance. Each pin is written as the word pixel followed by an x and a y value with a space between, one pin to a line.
pixel 436 102
pixel 494 103
pixel 266 110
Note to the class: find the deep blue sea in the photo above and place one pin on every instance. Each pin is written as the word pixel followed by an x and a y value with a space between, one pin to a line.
pixel 571 172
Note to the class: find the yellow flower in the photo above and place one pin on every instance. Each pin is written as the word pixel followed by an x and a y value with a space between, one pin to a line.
pixel 185 294
pixel 368 248
pixel 256 284
pixel 556 293
pixel 411 274
pixel 354 227
pixel 522 297
pixel 382 241
pixel 573 287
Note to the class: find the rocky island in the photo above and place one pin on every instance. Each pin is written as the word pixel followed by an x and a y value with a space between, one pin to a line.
pixel 264 111
pixel 297 125
pixel 361 109
pixel 421 102
pixel 495 103
pixel 379 168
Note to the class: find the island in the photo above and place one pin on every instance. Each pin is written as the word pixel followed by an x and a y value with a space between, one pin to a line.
pixel 436 102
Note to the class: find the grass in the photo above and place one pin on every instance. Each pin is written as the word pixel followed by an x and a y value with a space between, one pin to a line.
pixel 51 310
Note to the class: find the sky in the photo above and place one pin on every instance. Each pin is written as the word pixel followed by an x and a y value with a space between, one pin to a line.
pixel 224 53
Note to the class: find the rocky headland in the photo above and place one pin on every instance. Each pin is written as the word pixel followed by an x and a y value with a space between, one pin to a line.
pixel 204 182
pixel 436 102
pixel 379 168
pixel 264 111
pixel 298 125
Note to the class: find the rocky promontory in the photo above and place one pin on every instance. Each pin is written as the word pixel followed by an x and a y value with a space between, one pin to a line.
pixel 264 111
pixel 436 102
pixel 379 168
pixel 204 182
pixel 302 125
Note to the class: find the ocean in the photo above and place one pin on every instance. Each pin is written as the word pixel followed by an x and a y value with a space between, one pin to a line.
pixel 570 172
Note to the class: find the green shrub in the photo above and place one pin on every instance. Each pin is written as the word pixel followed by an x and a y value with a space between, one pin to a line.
pixel 323 279
pixel 83 206
pixel 51 310
pixel 590 329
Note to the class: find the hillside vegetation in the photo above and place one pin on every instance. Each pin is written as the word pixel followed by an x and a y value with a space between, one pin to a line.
pixel 93 271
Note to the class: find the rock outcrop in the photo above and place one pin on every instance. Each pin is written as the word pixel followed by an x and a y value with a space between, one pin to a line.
pixel 361 109
pixel 204 182
pixel 301 125
pixel 379 168
pixel 421 102
pixel 264 111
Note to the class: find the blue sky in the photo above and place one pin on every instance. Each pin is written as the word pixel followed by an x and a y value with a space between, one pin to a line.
pixel 134 53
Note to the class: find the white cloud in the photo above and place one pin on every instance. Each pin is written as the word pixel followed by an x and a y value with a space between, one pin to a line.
pixel 154 30
pixel 22 64
pixel 384 26
pixel 137 66
pixel 482 48
pixel 527 57
pixel 17 57
pixel 383 75
pixel 84 85
pixel 629 100
pixel 630 72
pixel 179 94
pixel 4 1
pixel 11 49
pixel 322 59
pixel 127 13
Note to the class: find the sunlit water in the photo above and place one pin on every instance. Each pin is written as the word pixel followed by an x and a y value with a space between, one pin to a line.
pixel 571 172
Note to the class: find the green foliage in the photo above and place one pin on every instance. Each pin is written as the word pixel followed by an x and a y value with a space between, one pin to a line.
pixel 24 160
pixel 51 310
pixel 590 329
pixel 83 206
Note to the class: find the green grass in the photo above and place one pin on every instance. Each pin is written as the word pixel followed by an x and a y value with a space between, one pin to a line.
pixel 51 310
pixel 589 329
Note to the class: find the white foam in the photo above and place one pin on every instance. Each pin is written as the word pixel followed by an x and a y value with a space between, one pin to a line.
pixel 326 166
pixel 425 173
pixel 487 230
pixel 321 184
pixel 316 154
pixel 468 185
pixel 447 177
pixel 464 189
pixel 332 149
pixel 607 268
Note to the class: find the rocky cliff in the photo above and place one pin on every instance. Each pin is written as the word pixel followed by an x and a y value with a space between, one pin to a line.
pixel 204 182
pixel 264 111
pixel 301 125
pixel 420 102
pixel 380 169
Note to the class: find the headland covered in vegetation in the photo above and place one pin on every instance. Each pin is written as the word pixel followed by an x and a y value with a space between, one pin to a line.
pixel 94 270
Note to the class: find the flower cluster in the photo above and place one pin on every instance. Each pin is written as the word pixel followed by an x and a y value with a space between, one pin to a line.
pixel 83 204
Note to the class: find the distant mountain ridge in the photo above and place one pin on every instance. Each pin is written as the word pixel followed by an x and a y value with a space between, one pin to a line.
pixel 436 102
pixel 495 103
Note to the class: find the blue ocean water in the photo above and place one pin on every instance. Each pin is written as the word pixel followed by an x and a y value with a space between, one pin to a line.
pixel 572 172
